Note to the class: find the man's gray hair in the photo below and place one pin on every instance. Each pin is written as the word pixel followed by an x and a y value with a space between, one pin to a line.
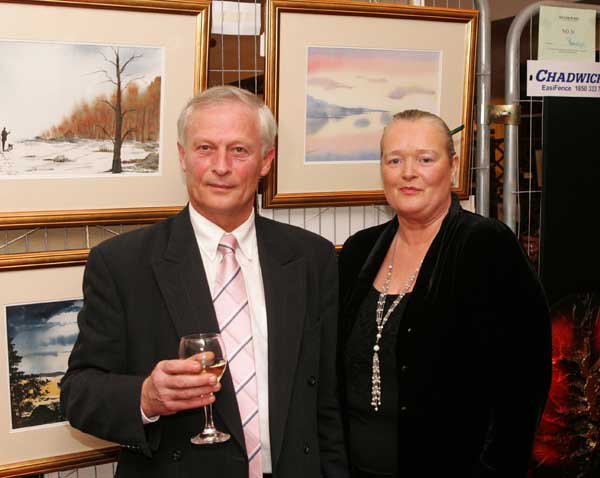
pixel 219 95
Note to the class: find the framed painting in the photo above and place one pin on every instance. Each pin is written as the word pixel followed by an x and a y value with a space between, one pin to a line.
pixel 337 71
pixel 90 106
pixel 38 310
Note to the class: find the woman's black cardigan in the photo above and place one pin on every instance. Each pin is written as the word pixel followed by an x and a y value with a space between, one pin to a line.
pixel 474 347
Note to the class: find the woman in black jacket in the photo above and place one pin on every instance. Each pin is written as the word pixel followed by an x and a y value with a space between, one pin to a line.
pixel 445 348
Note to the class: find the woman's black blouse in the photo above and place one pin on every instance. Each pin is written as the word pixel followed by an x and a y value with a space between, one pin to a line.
pixel 373 436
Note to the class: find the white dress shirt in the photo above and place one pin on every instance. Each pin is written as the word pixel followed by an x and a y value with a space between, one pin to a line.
pixel 208 236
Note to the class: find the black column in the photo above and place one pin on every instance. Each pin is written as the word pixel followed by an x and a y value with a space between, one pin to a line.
pixel 570 235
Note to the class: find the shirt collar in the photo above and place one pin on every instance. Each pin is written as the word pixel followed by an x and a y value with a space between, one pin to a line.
pixel 208 234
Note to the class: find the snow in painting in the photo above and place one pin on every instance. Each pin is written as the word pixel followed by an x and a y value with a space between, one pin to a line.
pixel 78 110
pixel 352 93
pixel 40 338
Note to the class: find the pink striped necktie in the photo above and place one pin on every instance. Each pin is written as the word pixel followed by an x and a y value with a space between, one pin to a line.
pixel 233 313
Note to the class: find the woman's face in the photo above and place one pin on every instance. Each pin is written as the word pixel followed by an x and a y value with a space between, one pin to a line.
pixel 416 169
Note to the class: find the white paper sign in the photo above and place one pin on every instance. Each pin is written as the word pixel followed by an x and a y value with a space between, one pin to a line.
pixel 567 34
pixel 563 78
pixel 235 18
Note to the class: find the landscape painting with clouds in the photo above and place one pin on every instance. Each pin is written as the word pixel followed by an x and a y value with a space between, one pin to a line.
pixel 352 93
pixel 40 338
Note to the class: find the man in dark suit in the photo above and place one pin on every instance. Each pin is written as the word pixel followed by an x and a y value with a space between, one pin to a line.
pixel 145 289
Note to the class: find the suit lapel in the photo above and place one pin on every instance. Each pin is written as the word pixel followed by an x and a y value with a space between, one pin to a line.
pixel 284 280
pixel 366 276
pixel 182 280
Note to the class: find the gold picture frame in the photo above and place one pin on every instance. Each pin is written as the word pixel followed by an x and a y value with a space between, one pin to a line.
pixel 41 278
pixel 300 35
pixel 178 30
pixel 35 260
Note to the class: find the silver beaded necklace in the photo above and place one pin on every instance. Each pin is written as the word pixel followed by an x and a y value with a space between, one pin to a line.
pixel 381 320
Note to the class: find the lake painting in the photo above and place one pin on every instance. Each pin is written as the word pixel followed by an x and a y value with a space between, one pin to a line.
pixel 352 93
pixel 40 338
pixel 79 110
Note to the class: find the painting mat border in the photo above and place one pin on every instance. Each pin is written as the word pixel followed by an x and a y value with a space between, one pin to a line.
pixel 42 450
pixel 181 28
pixel 318 19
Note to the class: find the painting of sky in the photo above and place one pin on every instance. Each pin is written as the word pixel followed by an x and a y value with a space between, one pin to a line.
pixel 352 93
pixel 40 338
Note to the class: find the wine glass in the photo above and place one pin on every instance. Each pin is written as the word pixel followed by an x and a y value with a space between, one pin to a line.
pixel 209 351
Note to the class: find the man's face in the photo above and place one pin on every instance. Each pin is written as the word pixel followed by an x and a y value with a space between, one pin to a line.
pixel 223 163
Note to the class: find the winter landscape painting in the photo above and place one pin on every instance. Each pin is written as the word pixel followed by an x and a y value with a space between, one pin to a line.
pixel 40 338
pixel 352 93
pixel 79 110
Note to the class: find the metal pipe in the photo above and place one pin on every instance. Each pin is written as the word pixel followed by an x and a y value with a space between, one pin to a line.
pixel 482 145
pixel 512 96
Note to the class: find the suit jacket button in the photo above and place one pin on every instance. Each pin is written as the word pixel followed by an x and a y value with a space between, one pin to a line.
pixel 403 408
pixel 404 368
pixel 306 449
pixel 312 381
pixel 176 455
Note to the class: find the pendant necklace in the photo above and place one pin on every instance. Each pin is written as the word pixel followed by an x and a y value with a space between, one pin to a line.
pixel 381 319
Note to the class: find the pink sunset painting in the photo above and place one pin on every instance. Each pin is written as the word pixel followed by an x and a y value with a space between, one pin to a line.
pixel 352 93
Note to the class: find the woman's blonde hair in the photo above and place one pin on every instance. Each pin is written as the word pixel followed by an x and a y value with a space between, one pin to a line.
pixel 416 115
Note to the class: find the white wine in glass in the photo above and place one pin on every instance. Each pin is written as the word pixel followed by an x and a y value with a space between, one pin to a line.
pixel 209 351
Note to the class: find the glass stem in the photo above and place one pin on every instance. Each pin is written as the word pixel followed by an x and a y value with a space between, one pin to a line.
pixel 209 426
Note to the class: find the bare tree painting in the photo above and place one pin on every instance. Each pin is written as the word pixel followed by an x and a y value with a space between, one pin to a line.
pixel 118 78
pixel 96 110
